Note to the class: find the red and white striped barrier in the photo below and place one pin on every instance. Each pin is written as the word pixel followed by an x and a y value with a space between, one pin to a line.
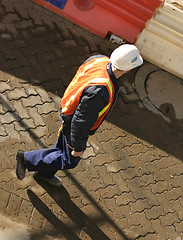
pixel 154 26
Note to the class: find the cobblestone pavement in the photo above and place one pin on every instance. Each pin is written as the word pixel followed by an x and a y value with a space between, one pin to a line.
pixel 129 183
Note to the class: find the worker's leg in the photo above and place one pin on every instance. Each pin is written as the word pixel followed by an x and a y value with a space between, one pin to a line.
pixel 43 161
pixel 48 161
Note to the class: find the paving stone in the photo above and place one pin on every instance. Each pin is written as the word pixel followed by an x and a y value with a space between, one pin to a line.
pixel 140 205
pixel 135 149
pixel 39 131
pixel 24 24
pixel 21 10
pixel 6 162
pixel 177 206
pixel 25 211
pixel 2 27
pixel 166 161
pixel 173 194
pixel 101 159
pixel 11 29
pixel 17 47
pixel 7 118
pixel 159 229
pixel 33 113
pixel 11 17
pixel 88 153
pixel 131 218
pixel 28 123
pixel 160 187
pixel 115 167
pixel 125 198
pixel 169 219
pixel 152 199
pixel 21 110
pixel 10 64
pixel 142 220
pixel 176 169
pixel 176 181
pixel 36 219
pixel 130 98
pixel 32 101
pixel 10 130
pixel 43 94
pixel 130 174
pixel 19 126
pixel 1 110
pixel 109 149
pixel 125 141
pixel 150 236
pixel 109 191
pixel 98 148
pixel 179 227
pixel 108 180
pixel 165 203
pixel 122 185
pixel 171 232
pixel 160 175
pixel 13 206
pixel 2 131
pixel 17 93
pixel 134 232
pixel 105 136
pixel 52 120
pixel 50 140
pixel 138 192
pixel 137 162
pixel 5 196
pixel 145 180
pixel 46 108
pixel 4 87
pixel 20 57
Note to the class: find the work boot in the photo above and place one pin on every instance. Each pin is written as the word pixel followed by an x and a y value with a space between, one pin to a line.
pixel 54 181
pixel 20 168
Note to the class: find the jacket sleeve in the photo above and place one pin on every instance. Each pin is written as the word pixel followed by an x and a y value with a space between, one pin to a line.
pixel 93 100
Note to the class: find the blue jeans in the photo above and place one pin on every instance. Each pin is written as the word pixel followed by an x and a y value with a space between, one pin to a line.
pixel 49 160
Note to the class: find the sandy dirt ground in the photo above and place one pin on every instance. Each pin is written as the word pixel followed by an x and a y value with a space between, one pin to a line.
pixel 12 230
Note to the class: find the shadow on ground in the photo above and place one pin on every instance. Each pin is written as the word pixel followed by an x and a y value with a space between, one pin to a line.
pixel 167 136
pixel 78 217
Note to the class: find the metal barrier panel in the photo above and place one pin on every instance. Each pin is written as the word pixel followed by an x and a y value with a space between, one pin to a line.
pixel 124 18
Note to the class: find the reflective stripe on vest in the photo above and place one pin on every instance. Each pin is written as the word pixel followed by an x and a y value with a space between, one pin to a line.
pixel 104 80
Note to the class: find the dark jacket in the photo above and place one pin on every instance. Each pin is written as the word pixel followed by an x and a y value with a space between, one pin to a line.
pixel 94 98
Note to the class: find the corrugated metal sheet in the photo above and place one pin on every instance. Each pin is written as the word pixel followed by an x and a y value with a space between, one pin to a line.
pixel 164 34
pixel 124 18
pixel 136 12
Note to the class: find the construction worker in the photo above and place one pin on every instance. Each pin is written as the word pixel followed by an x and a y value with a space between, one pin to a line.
pixel 85 104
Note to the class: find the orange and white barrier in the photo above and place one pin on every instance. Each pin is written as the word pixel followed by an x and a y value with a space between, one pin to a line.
pixel 161 41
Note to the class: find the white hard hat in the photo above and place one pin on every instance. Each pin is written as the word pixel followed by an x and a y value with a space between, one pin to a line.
pixel 126 57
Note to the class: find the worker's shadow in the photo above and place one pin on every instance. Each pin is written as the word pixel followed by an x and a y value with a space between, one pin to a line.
pixel 62 198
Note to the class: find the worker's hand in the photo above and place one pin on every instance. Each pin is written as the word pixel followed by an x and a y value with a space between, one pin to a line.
pixel 76 154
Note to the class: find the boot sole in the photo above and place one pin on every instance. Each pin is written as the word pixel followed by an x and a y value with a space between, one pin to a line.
pixel 20 169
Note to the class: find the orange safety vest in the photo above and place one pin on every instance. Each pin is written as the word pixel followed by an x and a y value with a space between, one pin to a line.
pixel 93 72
